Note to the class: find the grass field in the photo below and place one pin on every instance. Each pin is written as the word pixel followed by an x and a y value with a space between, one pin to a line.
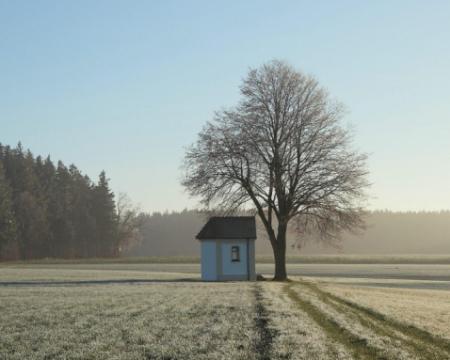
pixel 135 311
pixel 261 259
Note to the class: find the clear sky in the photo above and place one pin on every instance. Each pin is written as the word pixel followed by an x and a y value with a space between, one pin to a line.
pixel 125 86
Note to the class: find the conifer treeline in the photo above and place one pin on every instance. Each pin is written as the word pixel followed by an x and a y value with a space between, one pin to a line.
pixel 49 210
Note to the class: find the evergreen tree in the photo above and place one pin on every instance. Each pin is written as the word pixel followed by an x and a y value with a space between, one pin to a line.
pixel 62 226
pixel 45 173
pixel 83 221
pixel 8 234
pixel 104 211
pixel 32 226
pixel 30 216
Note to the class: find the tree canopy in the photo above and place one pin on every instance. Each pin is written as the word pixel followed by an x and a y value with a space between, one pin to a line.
pixel 283 151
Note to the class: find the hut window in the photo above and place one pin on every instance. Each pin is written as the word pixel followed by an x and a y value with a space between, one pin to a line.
pixel 235 257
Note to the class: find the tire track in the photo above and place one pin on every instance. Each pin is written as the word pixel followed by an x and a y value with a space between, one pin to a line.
pixel 421 343
pixel 264 341
pixel 421 340
pixel 356 345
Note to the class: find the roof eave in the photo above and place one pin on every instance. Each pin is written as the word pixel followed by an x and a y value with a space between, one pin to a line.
pixel 226 238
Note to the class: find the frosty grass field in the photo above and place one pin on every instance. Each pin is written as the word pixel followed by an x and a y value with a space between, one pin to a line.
pixel 163 311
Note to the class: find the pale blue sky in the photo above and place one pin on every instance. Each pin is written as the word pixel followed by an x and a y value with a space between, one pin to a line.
pixel 125 86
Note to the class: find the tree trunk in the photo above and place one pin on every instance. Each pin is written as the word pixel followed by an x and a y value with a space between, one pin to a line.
pixel 279 252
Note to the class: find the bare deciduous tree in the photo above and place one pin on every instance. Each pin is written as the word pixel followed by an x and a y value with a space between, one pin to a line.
pixel 283 152
pixel 129 222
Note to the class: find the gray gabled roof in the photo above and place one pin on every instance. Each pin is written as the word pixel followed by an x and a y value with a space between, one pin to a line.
pixel 229 227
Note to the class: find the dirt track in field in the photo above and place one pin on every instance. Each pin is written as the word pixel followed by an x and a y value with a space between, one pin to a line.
pixel 364 332
pixel 264 340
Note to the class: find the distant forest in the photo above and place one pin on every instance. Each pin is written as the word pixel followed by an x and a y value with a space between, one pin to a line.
pixel 173 233
pixel 54 210
pixel 51 210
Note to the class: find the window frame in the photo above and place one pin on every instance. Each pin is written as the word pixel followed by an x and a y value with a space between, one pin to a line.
pixel 235 253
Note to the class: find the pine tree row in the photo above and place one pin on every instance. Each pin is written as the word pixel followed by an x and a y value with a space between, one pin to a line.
pixel 53 211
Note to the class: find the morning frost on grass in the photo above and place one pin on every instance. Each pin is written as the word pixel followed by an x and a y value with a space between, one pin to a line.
pixel 158 321
pixel 426 309
pixel 297 335
pixel 361 336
